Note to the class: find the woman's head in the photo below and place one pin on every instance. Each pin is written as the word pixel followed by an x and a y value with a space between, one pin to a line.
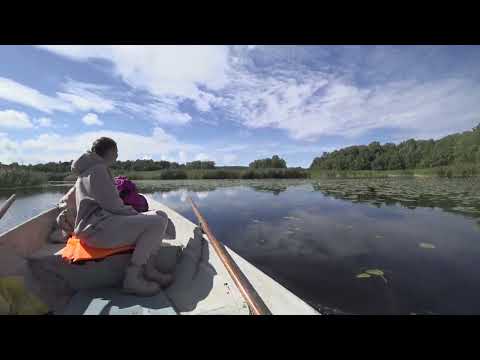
pixel 106 148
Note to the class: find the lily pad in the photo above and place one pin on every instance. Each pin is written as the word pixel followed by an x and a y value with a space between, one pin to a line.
pixel 291 218
pixel 363 276
pixel 426 245
pixel 376 272
pixel 477 226
pixel 379 236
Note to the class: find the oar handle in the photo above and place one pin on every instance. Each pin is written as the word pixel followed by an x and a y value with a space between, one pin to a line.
pixel 6 205
pixel 254 301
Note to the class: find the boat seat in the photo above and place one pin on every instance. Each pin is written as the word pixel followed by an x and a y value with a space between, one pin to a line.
pixel 48 267
pixel 111 301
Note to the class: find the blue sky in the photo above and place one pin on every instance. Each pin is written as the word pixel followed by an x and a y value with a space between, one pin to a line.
pixel 230 104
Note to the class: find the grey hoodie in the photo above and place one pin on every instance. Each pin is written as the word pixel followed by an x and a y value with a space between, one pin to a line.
pixel 96 196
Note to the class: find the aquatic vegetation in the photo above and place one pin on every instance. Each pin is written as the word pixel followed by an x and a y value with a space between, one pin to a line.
pixel 426 245
pixel 272 188
pixel 453 195
pixel 291 218
pixel 363 276
pixel 370 273
pixel 212 174
pixel 477 226
pixel 375 272
pixel 20 177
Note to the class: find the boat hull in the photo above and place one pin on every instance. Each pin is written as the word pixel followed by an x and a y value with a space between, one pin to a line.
pixel 202 284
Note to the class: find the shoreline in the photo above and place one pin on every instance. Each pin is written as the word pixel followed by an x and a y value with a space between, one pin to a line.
pixel 276 174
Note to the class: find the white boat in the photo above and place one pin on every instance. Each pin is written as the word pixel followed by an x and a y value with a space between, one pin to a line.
pixel 202 286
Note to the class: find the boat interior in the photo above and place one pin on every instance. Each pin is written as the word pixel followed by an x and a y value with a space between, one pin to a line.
pixel 201 286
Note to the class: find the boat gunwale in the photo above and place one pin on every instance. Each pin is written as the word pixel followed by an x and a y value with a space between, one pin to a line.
pixel 35 217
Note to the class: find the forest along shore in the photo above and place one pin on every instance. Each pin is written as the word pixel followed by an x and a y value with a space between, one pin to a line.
pixel 455 155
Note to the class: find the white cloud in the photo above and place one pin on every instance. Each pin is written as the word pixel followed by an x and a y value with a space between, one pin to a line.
pixel 44 122
pixel 164 112
pixel 202 194
pixel 244 133
pixel 182 156
pixel 8 150
pixel 83 97
pixel 315 104
pixel 201 157
pixel 92 119
pixel 230 192
pixel 167 114
pixel 182 71
pixel 75 97
pixel 21 94
pixel 230 159
pixel 306 103
pixel 15 120
pixel 55 147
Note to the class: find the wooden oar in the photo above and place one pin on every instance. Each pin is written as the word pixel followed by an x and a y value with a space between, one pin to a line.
pixel 254 301
pixel 6 205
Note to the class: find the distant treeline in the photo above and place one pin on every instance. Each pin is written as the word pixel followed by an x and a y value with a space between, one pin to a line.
pixel 274 163
pixel 10 177
pixel 151 165
pixel 460 148
pixel 220 173
pixel 129 165
pixel 270 168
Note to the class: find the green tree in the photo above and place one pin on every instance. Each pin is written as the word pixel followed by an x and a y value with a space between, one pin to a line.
pixel 462 148
pixel 269 163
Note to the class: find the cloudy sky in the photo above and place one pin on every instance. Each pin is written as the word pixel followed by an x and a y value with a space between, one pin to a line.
pixel 230 104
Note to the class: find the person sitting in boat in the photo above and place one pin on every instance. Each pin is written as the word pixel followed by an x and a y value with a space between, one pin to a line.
pixel 104 221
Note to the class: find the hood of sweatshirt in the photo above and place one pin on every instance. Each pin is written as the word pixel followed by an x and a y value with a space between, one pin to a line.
pixel 86 161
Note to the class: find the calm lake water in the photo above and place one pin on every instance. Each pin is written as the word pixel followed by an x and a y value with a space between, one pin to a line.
pixel 381 246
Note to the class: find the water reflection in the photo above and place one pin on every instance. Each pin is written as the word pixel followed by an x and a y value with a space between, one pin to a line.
pixel 315 238
pixel 28 203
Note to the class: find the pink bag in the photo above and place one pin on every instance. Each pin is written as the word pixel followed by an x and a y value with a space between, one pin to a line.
pixel 129 194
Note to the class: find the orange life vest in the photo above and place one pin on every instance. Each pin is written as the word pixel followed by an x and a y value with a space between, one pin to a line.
pixel 75 251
